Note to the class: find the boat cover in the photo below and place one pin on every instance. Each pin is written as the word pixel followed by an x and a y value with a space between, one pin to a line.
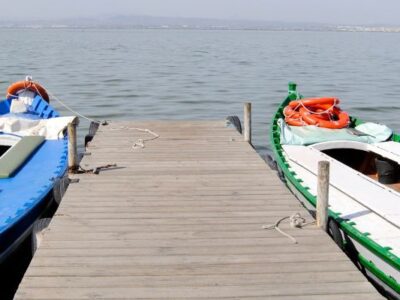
pixel 17 155
pixel 307 135
pixel 27 125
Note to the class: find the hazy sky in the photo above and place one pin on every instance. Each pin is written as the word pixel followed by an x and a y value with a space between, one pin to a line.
pixel 329 11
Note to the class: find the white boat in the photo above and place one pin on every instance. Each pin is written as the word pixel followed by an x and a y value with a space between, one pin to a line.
pixel 364 191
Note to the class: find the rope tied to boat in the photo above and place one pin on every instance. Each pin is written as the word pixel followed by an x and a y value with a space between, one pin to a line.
pixel 72 110
pixel 28 83
pixel 296 221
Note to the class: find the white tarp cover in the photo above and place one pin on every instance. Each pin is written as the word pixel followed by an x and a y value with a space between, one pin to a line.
pixel 308 135
pixel 51 129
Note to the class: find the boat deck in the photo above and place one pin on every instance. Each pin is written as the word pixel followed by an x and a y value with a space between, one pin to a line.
pixel 182 218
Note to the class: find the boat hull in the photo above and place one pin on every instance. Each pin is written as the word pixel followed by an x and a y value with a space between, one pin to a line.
pixel 22 230
pixel 360 255
pixel 381 267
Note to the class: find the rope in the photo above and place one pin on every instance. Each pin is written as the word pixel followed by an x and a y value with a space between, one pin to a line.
pixel 29 85
pixel 294 112
pixel 95 170
pixel 327 111
pixel 69 108
pixel 296 221
pixel 140 143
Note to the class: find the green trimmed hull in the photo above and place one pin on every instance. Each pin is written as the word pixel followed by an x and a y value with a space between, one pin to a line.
pixel 367 251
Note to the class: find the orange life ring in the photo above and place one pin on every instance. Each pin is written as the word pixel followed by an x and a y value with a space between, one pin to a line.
pixel 295 121
pixel 311 115
pixel 314 101
pixel 27 85
pixel 293 117
pixel 322 112
pixel 342 117
pixel 289 112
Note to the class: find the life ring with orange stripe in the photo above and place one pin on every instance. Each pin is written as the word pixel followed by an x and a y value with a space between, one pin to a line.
pixel 314 101
pixel 35 87
pixel 322 112
pixel 292 117
pixel 338 119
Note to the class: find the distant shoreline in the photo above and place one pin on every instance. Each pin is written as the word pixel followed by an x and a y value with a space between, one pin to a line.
pixel 181 23
pixel 212 28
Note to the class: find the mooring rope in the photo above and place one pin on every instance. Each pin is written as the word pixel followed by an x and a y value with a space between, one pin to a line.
pixel 53 96
pixel 139 143
pixel 296 221
pixel 70 109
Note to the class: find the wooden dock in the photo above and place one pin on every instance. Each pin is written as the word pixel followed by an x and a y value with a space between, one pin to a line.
pixel 182 218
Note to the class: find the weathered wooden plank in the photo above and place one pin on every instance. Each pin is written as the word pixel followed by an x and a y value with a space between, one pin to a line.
pixel 195 280
pixel 366 296
pixel 273 239
pixel 183 250
pixel 203 269
pixel 160 222
pixel 138 261
pixel 188 291
pixel 182 219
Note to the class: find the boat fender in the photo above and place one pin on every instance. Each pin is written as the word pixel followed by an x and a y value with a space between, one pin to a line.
pixel 94 126
pixel 335 233
pixel 35 87
pixel 60 186
pixel 281 175
pixel 38 230
pixel 353 253
pixel 235 121
pixel 271 162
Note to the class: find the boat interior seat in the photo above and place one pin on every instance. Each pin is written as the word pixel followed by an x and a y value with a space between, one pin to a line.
pixel 354 184
pixel 15 157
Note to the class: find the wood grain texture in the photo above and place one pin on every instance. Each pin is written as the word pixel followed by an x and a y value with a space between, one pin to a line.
pixel 182 218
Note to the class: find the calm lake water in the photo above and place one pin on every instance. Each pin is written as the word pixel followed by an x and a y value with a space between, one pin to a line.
pixel 199 74
pixel 189 74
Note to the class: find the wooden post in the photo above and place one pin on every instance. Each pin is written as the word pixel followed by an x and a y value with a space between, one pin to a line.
pixel 73 163
pixel 247 123
pixel 323 194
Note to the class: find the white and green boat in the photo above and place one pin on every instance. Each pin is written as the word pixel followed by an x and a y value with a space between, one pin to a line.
pixel 364 192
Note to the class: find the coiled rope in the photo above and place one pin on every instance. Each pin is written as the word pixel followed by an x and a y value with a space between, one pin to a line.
pixel 296 221
pixel 140 143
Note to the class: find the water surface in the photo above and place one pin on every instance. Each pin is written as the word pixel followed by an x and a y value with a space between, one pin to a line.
pixel 190 74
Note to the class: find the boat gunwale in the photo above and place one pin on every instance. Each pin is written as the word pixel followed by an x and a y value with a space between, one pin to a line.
pixel 346 225
pixel 36 206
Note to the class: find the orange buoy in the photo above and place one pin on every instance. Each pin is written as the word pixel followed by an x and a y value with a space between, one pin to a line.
pixel 314 114
pixel 321 112
pixel 35 87
pixel 340 119
pixel 295 122
pixel 292 117
pixel 314 101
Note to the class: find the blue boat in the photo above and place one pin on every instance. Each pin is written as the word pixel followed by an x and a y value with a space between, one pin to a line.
pixel 33 161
